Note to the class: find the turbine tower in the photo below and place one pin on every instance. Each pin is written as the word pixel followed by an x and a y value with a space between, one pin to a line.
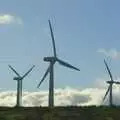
pixel 50 70
pixel 19 84
pixel 111 82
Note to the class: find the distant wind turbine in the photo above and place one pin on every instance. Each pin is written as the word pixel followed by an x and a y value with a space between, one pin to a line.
pixel 111 82
pixel 19 84
pixel 50 69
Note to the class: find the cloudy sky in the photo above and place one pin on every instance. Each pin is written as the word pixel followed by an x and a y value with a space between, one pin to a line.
pixel 86 32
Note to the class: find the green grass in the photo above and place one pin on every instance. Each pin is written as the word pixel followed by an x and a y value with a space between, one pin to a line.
pixel 60 113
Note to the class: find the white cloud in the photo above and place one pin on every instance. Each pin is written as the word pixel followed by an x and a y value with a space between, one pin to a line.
pixel 112 53
pixel 9 19
pixel 63 97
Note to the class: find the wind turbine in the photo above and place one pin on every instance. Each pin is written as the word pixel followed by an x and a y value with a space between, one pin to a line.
pixel 19 84
pixel 50 70
pixel 111 82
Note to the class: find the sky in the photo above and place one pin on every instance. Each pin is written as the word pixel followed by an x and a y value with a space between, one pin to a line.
pixel 86 32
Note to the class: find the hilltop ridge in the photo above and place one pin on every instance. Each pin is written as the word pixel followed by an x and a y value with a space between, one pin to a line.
pixel 60 113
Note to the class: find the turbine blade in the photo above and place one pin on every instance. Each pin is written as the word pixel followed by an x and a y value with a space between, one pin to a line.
pixel 46 73
pixel 109 72
pixel 106 93
pixel 52 36
pixel 14 70
pixel 28 71
pixel 116 82
pixel 67 65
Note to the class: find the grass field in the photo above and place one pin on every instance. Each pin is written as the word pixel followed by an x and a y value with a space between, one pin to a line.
pixel 60 113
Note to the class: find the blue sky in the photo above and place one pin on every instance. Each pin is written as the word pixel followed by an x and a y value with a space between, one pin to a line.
pixel 81 29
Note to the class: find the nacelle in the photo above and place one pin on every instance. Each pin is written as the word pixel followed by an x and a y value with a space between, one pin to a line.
pixel 49 59
pixel 17 78
pixel 110 82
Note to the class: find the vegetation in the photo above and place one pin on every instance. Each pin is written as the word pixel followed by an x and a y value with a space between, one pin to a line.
pixel 60 113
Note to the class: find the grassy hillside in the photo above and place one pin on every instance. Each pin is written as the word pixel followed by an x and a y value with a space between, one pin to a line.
pixel 60 113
